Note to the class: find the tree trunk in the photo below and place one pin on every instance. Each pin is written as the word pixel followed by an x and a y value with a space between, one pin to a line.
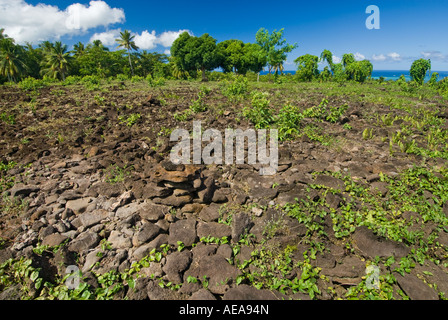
pixel 258 77
pixel 204 78
pixel 130 62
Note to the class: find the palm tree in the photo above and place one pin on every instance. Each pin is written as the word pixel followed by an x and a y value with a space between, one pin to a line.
pixel 79 49
pixel 11 59
pixel 57 61
pixel 99 44
pixel 46 46
pixel 278 67
pixel 2 34
pixel 126 41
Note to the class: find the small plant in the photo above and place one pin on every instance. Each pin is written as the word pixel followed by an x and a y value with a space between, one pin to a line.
pixel 367 134
pixel 288 121
pixel 323 112
pixel 8 118
pixel 130 120
pixel 335 113
pixel 389 119
pixel 99 100
pixel 236 89
pixel 182 116
pixel 199 105
pixel 114 174
pixel 155 82
pixel 259 113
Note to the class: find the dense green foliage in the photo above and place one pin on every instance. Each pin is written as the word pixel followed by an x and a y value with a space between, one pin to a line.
pixel 275 48
pixel 419 68
pixel 191 57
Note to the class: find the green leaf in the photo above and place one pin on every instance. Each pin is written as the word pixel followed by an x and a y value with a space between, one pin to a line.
pixel 34 275
pixel 131 283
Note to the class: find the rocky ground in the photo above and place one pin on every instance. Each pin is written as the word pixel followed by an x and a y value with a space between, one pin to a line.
pixel 91 191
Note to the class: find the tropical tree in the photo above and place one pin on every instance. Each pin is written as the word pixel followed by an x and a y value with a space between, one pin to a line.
pixel 12 64
pixel 57 61
pixel 126 41
pixel 307 67
pixel 150 63
pixel 275 48
pixel 192 53
pixel 2 34
pixel 232 55
pixel 359 70
pixel 419 68
pixel 177 72
pixel 79 49
pixel 339 73
pixel 32 59
pixel 241 57
pixel 325 75
pixel 46 46
pixel 99 44
pixel 327 56
pixel 347 58
pixel 98 60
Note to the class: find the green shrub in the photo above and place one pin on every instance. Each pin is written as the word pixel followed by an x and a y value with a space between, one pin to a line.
pixel 419 68
pixel 288 121
pixel 235 89
pixel 155 82
pixel 259 113
pixel 324 112
pixel 71 80
pixel 122 77
pixel 135 79
pixel 91 82
pixel 31 84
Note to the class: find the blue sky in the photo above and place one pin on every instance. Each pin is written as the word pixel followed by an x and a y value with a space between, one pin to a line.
pixel 409 29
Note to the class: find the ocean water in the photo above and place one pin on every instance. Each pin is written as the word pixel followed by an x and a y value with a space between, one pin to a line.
pixel 389 74
pixel 395 74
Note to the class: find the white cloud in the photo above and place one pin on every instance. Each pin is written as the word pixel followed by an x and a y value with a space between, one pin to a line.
pixel 434 55
pixel 359 56
pixel 145 40
pixel 380 57
pixel 390 57
pixel 167 38
pixel 33 23
pixel 108 37
pixel 394 56
pixel 336 59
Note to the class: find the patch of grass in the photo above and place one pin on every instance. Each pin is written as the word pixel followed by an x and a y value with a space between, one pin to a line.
pixel 115 174
pixel 130 120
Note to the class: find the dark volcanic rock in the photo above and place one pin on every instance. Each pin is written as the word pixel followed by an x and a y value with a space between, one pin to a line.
pixel 371 245
pixel 183 230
